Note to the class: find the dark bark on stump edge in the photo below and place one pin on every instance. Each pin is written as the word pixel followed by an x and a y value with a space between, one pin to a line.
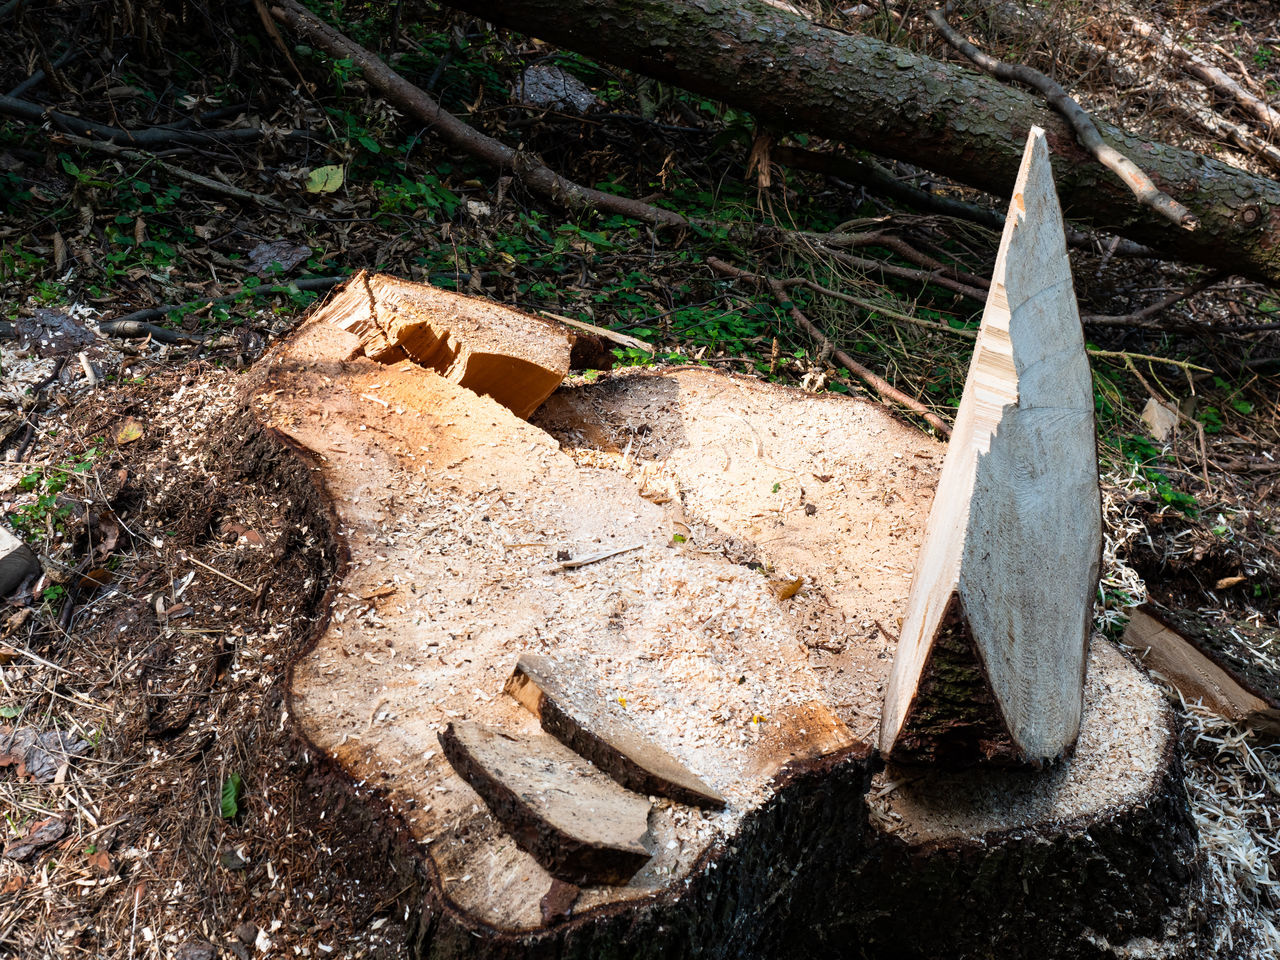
pixel 1036 893
pixel 798 76
pixel 753 895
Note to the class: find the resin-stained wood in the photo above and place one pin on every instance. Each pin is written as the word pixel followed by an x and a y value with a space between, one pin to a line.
pixel 991 662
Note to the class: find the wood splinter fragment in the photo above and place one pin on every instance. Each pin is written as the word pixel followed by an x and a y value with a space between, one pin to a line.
pixel 577 823
pixel 515 358
pixel 604 736
pixel 1211 661
pixel 991 662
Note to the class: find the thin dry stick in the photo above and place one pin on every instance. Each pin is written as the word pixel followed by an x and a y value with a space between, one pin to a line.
pixel 1139 318
pixel 1211 76
pixel 872 306
pixel 906 273
pixel 213 186
pixel 1204 453
pixel 877 382
pixel 1147 193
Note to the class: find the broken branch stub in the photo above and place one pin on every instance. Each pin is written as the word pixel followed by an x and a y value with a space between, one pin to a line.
pixel 991 662
pixel 496 351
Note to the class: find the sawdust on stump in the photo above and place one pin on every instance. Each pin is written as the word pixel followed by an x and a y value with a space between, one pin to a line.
pixel 645 531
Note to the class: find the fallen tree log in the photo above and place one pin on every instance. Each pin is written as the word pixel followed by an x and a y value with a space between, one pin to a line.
pixel 799 76
pixel 621 535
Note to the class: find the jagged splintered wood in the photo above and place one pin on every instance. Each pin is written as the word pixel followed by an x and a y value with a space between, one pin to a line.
pixel 991 662
pixel 516 358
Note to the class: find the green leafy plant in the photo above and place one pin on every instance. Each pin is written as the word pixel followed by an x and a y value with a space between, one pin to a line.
pixel 231 795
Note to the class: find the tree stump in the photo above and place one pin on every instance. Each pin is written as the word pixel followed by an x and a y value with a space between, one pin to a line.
pixel 722 564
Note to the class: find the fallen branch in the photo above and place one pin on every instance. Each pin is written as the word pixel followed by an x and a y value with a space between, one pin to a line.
pixel 906 273
pixel 872 379
pixel 417 103
pixel 1146 192
pixel 1211 76
pixel 150 137
pixel 1139 318
pixel 137 324
pixel 866 172
pixel 872 307
pixel 213 186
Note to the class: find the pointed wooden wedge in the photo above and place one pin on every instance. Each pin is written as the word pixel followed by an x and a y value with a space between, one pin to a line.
pixel 585 722
pixel 991 663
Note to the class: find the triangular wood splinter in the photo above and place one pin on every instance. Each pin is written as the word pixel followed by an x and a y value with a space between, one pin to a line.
pixel 990 666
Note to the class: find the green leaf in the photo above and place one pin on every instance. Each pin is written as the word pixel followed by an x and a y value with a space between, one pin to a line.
pixel 325 179
pixel 232 790
pixel 9 712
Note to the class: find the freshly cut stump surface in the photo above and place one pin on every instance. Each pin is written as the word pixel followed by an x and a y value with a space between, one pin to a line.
pixel 648 530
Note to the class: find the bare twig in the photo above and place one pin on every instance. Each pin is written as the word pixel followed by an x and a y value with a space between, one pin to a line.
pixel 1146 192
pixel 137 324
pixel 213 186
pixel 623 339
pixel 1141 317
pixel 1211 76
pixel 872 306
pixel 874 380
pixel 867 172
pixel 149 137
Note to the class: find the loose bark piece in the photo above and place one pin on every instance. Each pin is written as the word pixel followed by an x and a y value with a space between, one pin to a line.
pixel 17 562
pixel 580 825
pixel 798 75
pixel 514 357
pixel 1210 660
pixel 1146 192
pixel 571 708
pixel 991 662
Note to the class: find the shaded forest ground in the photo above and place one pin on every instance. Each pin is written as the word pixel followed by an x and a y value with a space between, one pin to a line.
pixel 181 572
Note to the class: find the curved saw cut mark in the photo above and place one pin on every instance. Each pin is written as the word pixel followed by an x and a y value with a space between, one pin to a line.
pixel 1016 527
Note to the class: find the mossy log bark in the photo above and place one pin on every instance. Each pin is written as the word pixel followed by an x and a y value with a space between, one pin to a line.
pixel 799 76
